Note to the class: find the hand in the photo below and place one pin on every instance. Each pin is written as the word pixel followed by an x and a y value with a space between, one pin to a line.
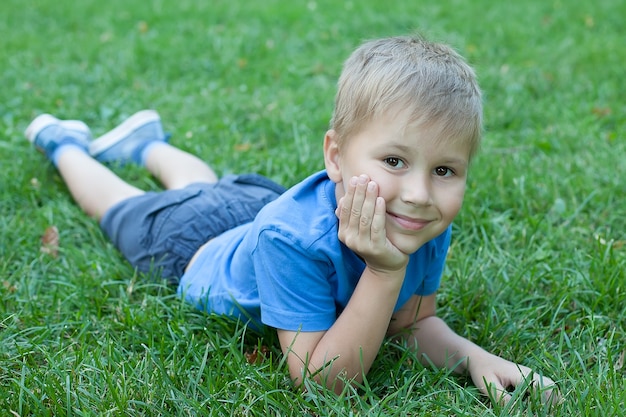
pixel 493 375
pixel 362 219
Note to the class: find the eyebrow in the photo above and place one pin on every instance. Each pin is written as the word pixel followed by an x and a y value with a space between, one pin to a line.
pixel 456 161
pixel 399 147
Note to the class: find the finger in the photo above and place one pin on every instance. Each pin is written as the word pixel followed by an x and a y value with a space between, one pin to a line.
pixel 358 198
pixel 540 384
pixel 349 209
pixel 378 230
pixel 546 387
pixel 344 205
pixel 368 209
pixel 495 391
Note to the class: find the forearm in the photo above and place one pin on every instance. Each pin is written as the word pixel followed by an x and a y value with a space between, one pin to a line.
pixel 436 343
pixel 350 346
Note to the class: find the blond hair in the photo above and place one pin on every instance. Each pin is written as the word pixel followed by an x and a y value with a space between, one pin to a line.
pixel 429 80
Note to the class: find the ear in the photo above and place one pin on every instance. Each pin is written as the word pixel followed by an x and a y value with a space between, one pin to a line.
pixel 332 159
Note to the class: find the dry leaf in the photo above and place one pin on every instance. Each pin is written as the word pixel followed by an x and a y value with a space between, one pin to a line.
pixel 142 26
pixel 50 241
pixel 242 147
pixel 601 111
pixel 8 286
pixel 257 356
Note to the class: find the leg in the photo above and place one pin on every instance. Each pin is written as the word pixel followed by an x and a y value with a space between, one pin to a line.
pixel 94 187
pixel 140 139
pixel 66 143
pixel 176 168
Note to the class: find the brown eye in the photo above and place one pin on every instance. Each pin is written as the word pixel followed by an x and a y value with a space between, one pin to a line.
pixel 394 162
pixel 443 171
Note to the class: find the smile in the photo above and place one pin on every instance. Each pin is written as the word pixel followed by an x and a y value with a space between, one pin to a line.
pixel 409 223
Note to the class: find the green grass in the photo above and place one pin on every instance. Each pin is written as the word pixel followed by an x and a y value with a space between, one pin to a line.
pixel 536 270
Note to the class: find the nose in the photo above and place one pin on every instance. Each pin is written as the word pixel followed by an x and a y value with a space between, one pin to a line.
pixel 417 190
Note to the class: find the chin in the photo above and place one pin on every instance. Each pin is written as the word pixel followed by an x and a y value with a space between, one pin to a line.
pixel 410 244
pixel 409 247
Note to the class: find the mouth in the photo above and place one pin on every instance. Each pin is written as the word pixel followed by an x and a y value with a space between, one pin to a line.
pixel 409 223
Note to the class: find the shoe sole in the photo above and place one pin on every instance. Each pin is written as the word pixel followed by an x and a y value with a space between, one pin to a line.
pixel 43 121
pixel 122 131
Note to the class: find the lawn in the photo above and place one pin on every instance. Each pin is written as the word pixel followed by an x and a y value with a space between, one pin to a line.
pixel 536 272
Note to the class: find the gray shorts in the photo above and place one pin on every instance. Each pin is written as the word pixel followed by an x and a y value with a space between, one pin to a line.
pixel 159 232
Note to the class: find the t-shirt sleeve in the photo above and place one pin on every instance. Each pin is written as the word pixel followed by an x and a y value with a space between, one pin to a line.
pixel 438 251
pixel 295 293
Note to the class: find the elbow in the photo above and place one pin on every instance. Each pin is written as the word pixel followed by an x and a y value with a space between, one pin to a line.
pixel 329 375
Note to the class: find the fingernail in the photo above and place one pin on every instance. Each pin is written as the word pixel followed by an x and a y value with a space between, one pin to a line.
pixel 353 181
pixel 371 186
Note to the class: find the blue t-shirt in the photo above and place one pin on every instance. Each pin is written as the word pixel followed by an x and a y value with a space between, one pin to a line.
pixel 287 269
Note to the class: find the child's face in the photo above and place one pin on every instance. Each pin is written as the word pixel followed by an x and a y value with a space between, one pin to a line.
pixel 420 175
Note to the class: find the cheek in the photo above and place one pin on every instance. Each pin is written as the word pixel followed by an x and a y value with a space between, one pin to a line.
pixel 454 203
pixel 387 188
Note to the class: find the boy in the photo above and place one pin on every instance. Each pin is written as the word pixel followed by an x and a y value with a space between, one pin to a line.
pixel 350 255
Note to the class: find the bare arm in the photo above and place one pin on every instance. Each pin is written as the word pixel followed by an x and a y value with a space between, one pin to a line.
pixel 436 343
pixel 349 347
